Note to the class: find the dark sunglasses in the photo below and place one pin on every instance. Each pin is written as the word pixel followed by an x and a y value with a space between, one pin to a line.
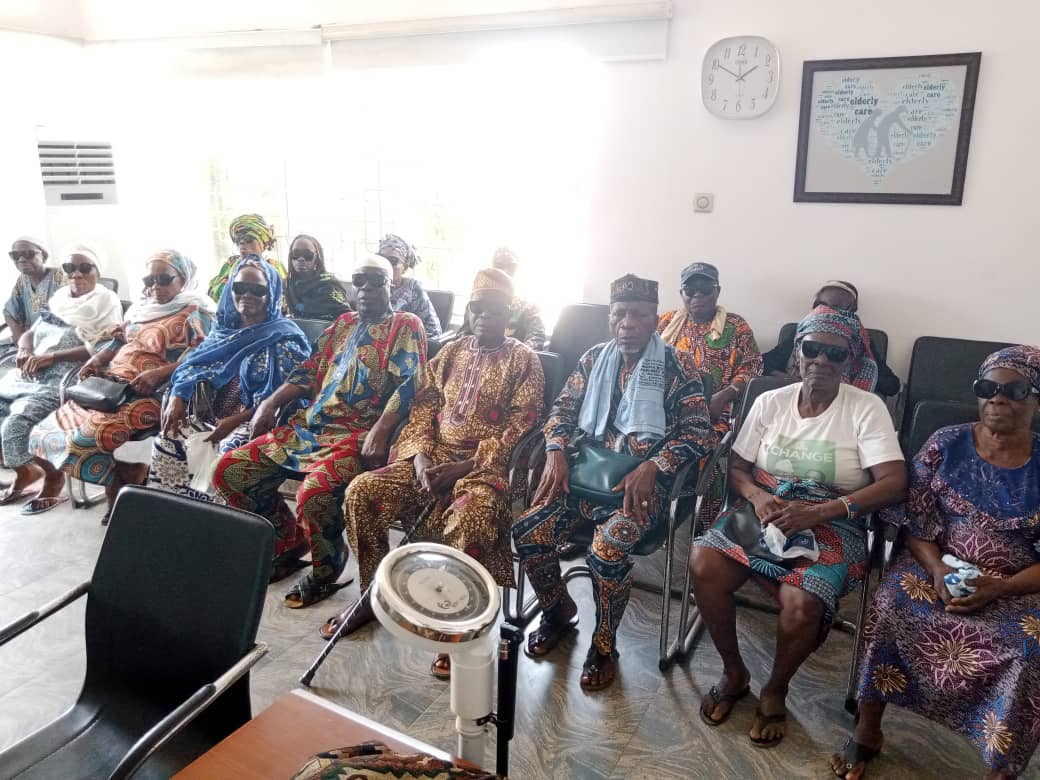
pixel 691 290
pixel 1019 390
pixel 479 308
pixel 249 288
pixel 83 268
pixel 368 280
pixel 241 238
pixel 303 254
pixel 22 254
pixel 158 280
pixel 813 349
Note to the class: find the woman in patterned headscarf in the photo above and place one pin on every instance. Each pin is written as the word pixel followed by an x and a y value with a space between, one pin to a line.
pixel 407 293
pixel 171 318
pixel 970 663
pixel 861 369
pixel 311 292
pixel 252 236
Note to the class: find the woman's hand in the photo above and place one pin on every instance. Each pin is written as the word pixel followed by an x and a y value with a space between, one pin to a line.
pixel 89 369
pixel 987 589
pixel 23 355
pixel 797 516
pixel 118 332
pixel 264 419
pixel 144 384
pixel 222 430
pixel 638 485
pixel 555 476
pixel 37 363
pixel 767 506
pixel 173 418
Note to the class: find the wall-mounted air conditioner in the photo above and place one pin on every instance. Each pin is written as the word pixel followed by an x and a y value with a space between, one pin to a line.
pixel 77 173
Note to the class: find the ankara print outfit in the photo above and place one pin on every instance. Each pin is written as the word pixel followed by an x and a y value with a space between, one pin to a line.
pixel 473 402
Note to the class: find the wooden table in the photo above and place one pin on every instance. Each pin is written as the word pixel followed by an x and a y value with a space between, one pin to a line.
pixel 280 739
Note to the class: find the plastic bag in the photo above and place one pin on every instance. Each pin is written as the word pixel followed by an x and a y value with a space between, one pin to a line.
pixel 798 545
pixel 202 460
pixel 956 581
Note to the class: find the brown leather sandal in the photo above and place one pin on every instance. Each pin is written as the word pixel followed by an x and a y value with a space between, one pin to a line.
pixel 599 671
pixel 554 626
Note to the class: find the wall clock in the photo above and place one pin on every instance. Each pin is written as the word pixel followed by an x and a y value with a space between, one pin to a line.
pixel 740 77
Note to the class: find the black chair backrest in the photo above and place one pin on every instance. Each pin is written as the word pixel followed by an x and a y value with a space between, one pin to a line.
pixel 552 368
pixel 943 369
pixel 443 301
pixel 312 329
pixel 878 339
pixel 755 388
pixel 110 283
pixel 126 305
pixel 175 600
pixel 579 327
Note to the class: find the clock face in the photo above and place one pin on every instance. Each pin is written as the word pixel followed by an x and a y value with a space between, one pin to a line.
pixel 740 77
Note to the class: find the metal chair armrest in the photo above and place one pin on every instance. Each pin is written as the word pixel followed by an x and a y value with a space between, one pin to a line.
pixel 167 728
pixel 527 442
pixel 30 619
pixel 682 476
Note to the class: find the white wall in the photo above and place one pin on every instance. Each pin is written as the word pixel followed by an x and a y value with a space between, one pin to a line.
pixel 967 271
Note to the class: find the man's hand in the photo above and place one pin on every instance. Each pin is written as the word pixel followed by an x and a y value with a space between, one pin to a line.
pixel 796 516
pixel 37 363
pixel 987 589
pixel 144 384
pixel 442 478
pixel 638 485
pixel 23 356
pixel 264 419
pixel 222 430
pixel 555 476
pixel 421 463
pixel 718 404
pixel 173 418
pixel 376 449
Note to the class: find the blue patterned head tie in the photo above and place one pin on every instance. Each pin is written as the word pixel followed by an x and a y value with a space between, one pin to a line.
pixel 862 370
pixel 1024 360
pixel 394 247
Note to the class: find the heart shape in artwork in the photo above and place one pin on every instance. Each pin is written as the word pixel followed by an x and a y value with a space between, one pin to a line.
pixel 881 131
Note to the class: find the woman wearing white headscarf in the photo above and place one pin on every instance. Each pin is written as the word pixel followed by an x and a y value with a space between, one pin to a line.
pixel 171 318
pixel 66 333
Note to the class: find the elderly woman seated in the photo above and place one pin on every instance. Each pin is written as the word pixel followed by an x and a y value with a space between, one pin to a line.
pixel 812 456
pixel 77 317
pixel 172 318
pixel 970 662
pixel 311 292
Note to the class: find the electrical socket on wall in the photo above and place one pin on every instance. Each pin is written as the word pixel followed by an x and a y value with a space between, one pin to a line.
pixel 704 202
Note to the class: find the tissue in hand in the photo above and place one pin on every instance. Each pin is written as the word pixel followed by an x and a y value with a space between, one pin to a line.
pixel 956 581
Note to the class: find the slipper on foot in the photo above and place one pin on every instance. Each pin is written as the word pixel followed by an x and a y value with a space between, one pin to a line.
pixel 40 505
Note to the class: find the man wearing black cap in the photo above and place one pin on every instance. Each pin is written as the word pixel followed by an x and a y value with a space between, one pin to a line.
pixel 633 395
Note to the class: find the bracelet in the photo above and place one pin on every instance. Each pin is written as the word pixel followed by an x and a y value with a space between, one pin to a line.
pixel 851 510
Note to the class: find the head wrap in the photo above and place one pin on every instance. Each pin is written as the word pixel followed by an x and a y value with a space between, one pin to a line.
pixel 505 256
pixel 225 352
pixel 96 256
pixel 395 246
pixel 369 263
pixel 699 269
pixel 35 242
pixel 146 310
pixel 493 279
pixel 93 314
pixel 1024 360
pixel 837 284
pixel 633 288
pixel 319 254
pixel 319 295
pixel 862 370
pixel 254 225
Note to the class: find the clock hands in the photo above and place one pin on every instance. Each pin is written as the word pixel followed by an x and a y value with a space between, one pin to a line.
pixel 734 75
pixel 744 75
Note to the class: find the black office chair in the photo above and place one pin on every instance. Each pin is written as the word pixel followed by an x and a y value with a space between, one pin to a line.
pixel 878 339
pixel 172 613
pixel 443 301
pixel 126 305
pixel 579 327
pixel 312 329
pixel 943 369
pixel 110 283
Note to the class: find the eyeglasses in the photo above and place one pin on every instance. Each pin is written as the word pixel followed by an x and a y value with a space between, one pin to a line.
pixel 368 280
pixel 1019 390
pixel 249 288
pixel 83 268
pixel 699 288
pixel 479 308
pixel 303 254
pixel 22 254
pixel 813 349
pixel 243 238
pixel 158 280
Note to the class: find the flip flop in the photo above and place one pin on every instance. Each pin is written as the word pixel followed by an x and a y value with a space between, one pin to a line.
pixel 40 505
pixel 10 496
pixel 764 720
pixel 718 697
pixel 853 753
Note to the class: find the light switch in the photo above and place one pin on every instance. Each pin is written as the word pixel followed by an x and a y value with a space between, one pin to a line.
pixel 704 202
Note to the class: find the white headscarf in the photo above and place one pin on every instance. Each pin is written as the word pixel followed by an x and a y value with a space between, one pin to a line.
pixel 147 310
pixel 94 314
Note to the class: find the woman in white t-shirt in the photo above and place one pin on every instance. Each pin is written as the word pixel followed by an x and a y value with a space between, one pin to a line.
pixel 813 455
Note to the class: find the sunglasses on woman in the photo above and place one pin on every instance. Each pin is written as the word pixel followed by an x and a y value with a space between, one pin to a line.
pixel 368 280
pixel 1019 390
pixel 249 288
pixel 22 254
pixel 83 268
pixel 813 349
pixel 303 254
pixel 158 280
pixel 480 308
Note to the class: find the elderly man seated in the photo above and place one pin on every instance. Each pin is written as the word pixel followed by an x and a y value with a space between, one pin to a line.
pixel 632 395
pixel 357 384
pixel 477 398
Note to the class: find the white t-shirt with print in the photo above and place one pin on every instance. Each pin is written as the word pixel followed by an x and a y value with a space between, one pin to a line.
pixel 835 448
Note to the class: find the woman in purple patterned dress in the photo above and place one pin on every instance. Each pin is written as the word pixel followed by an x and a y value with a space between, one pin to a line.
pixel 972 663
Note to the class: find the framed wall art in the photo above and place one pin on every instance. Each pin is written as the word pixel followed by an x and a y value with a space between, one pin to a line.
pixel 886 130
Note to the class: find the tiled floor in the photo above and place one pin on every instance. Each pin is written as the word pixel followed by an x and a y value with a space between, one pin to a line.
pixel 645 726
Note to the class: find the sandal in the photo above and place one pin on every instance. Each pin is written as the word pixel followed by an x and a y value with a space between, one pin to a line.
pixel 716 697
pixel 9 495
pixel 40 505
pixel 358 616
pixel 310 591
pixel 553 627
pixel 288 563
pixel 603 668
pixel 762 720
pixel 854 753
pixel 441 667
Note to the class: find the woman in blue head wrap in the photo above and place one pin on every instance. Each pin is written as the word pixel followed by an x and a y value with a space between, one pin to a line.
pixel 250 352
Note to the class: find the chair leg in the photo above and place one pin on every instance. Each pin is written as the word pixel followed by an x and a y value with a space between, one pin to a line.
pixel 663 660
pixel 83 500
pixel 690 621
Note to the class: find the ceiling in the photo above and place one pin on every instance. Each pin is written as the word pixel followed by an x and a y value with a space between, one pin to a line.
pixel 119 20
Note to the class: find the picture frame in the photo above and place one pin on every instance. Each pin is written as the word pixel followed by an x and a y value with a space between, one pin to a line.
pixel 886 129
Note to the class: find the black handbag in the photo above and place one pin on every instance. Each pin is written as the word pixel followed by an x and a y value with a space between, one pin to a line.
pixel 594 471
pixel 100 394
pixel 742 527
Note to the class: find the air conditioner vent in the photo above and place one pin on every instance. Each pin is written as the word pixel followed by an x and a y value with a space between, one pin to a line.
pixel 77 172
